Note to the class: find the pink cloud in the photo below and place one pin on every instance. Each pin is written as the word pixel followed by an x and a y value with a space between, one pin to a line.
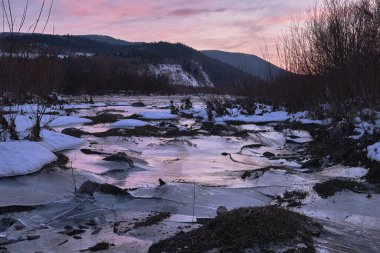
pixel 214 24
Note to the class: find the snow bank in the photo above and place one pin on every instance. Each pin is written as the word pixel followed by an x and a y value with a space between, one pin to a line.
pixel 23 157
pixel 129 123
pixel 374 152
pixel 55 141
pixel 68 120
pixel 157 115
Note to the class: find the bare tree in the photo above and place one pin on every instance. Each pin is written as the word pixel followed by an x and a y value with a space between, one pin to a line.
pixel 16 55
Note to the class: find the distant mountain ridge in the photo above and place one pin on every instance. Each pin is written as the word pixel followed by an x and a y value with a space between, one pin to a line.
pixel 198 69
pixel 108 39
pixel 250 64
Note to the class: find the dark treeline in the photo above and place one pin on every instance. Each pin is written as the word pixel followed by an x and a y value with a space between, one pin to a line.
pixel 20 77
pixel 335 56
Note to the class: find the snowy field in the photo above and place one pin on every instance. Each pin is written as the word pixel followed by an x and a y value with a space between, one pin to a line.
pixel 202 170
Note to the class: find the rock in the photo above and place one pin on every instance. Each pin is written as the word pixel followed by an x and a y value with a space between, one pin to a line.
pixel 162 182
pixel 73 132
pixel 312 163
pixel 120 157
pixel 112 189
pixel 91 223
pixel 122 227
pixel 252 174
pixel 90 152
pixel 4 240
pixel 138 104
pixel 16 209
pixel 96 231
pixel 269 154
pixel 5 223
pixel 4 250
pixel 19 226
pixel 99 247
pixel 255 145
pixel 32 237
pixel 90 188
pixel 221 210
pixel 72 232
pixel 105 118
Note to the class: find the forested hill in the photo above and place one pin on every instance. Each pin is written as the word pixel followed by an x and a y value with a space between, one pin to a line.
pixel 192 61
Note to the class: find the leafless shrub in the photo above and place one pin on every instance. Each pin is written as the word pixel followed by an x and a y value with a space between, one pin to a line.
pixel 332 57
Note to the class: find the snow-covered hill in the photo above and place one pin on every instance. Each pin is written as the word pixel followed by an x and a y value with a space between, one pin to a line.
pixel 178 76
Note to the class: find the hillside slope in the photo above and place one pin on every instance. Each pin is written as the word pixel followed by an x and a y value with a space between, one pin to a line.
pixel 250 64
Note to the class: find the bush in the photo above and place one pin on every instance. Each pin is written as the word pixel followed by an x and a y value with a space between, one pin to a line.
pixel 246 228
pixel 329 188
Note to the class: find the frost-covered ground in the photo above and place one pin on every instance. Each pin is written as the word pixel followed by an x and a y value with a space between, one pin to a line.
pixel 202 170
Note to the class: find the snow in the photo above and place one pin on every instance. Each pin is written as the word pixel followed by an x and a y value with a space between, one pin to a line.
pixel 157 115
pixel 182 218
pixel 55 141
pixel 23 157
pixel 303 118
pixel 129 123
pixel 178 76
pixel 374 152
pixel 68 120
pixel 277 116
pixel 84 105
pixel 345 172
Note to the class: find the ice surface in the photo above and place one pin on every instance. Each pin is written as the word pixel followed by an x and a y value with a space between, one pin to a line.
pixel 267 117
pixel 157 115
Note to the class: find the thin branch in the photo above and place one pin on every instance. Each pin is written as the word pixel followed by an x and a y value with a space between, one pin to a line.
pixel 5 13
pixel 48 17
pixel 24 16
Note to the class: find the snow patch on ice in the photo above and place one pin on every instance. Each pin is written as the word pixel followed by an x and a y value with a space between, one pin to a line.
pixel 374 152
pixel 55 141
pixel 68 120
pixel 129 123
pixel 23 157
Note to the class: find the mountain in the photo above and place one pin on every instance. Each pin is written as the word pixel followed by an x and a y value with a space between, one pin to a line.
pixel 108 39
pixel 250 64
pixel 207 71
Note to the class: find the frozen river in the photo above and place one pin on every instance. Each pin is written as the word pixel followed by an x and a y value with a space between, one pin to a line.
pixel 241 165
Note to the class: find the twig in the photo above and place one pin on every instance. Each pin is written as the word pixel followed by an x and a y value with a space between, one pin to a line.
pixel 193 203
pixel 72 173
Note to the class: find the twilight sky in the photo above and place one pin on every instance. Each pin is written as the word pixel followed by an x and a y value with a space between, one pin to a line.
pixel 231 25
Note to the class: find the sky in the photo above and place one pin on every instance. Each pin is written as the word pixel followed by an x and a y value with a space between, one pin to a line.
pixel 230 25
